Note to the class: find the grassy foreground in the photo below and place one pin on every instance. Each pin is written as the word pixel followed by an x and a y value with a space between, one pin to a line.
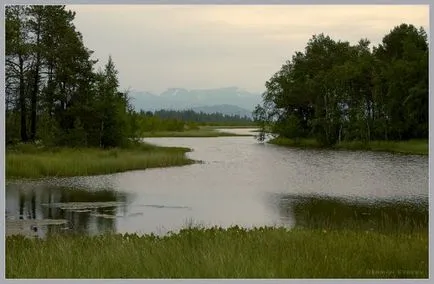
pixel 30 161
pixel 417 147
pixel 218 253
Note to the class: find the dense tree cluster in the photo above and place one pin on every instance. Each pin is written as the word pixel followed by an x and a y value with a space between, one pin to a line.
pixel 148 122
pixel 180 120
pixel 201 117
pixel 335 91
pixel 53 93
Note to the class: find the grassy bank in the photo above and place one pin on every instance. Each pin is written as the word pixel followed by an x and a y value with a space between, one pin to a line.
pixel 218 253
pixel 417 147
pixel 205 131
pixel 30 161
pixel 332 238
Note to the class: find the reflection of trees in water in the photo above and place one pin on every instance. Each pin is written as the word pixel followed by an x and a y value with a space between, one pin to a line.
pixel 33 205
pixel 27 205
pixel 22 200
pixel 30 207
pixel 82 195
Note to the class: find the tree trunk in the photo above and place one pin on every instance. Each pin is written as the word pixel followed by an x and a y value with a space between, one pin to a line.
pixel 22 100
pixel 35 92
pixel 101 134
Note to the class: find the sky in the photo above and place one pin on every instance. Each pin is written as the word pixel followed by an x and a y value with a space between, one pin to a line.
pixel 156 47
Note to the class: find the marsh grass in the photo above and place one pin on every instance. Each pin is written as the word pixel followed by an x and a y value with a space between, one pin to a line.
pixel 417 147
pixel 30 161
pixel 222 253
pixel 332 238
pixel 328 213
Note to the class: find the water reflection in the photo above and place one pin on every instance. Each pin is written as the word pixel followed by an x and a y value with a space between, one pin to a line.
pixel 30 210
pixel 240 182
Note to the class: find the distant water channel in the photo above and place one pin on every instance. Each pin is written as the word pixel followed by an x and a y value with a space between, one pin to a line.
pixel 240 182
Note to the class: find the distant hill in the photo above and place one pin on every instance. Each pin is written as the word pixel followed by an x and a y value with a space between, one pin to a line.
pixel 231 100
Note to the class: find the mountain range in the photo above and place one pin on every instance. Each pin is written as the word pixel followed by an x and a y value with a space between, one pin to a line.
pixel 231 100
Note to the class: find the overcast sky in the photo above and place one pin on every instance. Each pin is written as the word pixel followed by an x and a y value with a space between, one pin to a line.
pixel 200 47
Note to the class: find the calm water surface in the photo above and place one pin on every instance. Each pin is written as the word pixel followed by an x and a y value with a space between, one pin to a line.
pixel 240 182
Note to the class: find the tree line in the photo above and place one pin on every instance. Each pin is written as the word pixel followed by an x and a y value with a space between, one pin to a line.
pixel 334 91
pixel 53 92
pixel 202 117
pixel 180 120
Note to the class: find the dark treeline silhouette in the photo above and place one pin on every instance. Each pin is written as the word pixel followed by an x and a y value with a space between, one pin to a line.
pixel 53 93
pixel 335 91
pixel 201 117
pixel 180 120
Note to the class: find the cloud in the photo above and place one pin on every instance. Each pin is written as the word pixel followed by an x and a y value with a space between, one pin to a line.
pixel 157 46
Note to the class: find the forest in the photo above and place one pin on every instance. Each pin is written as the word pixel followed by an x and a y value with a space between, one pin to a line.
pixel 203 118
pixel 334 91
pixel 54 94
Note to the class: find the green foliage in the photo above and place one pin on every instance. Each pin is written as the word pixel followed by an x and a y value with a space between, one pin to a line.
pixel 222 253
pixel 415 147
pixel 30 161
pixel 335 92
pixel 52 87
pixel 203 118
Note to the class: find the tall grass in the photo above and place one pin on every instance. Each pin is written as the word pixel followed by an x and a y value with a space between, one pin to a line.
pixel 219 253
pixel 387 216
pixel 30 161
pixel 416 147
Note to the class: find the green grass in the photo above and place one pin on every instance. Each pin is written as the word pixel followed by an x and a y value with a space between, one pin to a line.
pixel 301 143
pixel 29 161
pixel 332 238
pixel 331 213
pixel 218 253
pixel 205 131
pixel 416 147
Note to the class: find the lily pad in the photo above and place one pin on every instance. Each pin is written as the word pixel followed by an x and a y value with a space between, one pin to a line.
pixel 83 205
pixel 107 216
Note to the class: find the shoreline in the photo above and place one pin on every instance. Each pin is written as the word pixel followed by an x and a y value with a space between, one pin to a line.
pixel 411 147
pixel 30 162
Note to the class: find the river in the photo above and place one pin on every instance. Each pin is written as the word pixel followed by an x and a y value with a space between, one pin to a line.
pixel 239 182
